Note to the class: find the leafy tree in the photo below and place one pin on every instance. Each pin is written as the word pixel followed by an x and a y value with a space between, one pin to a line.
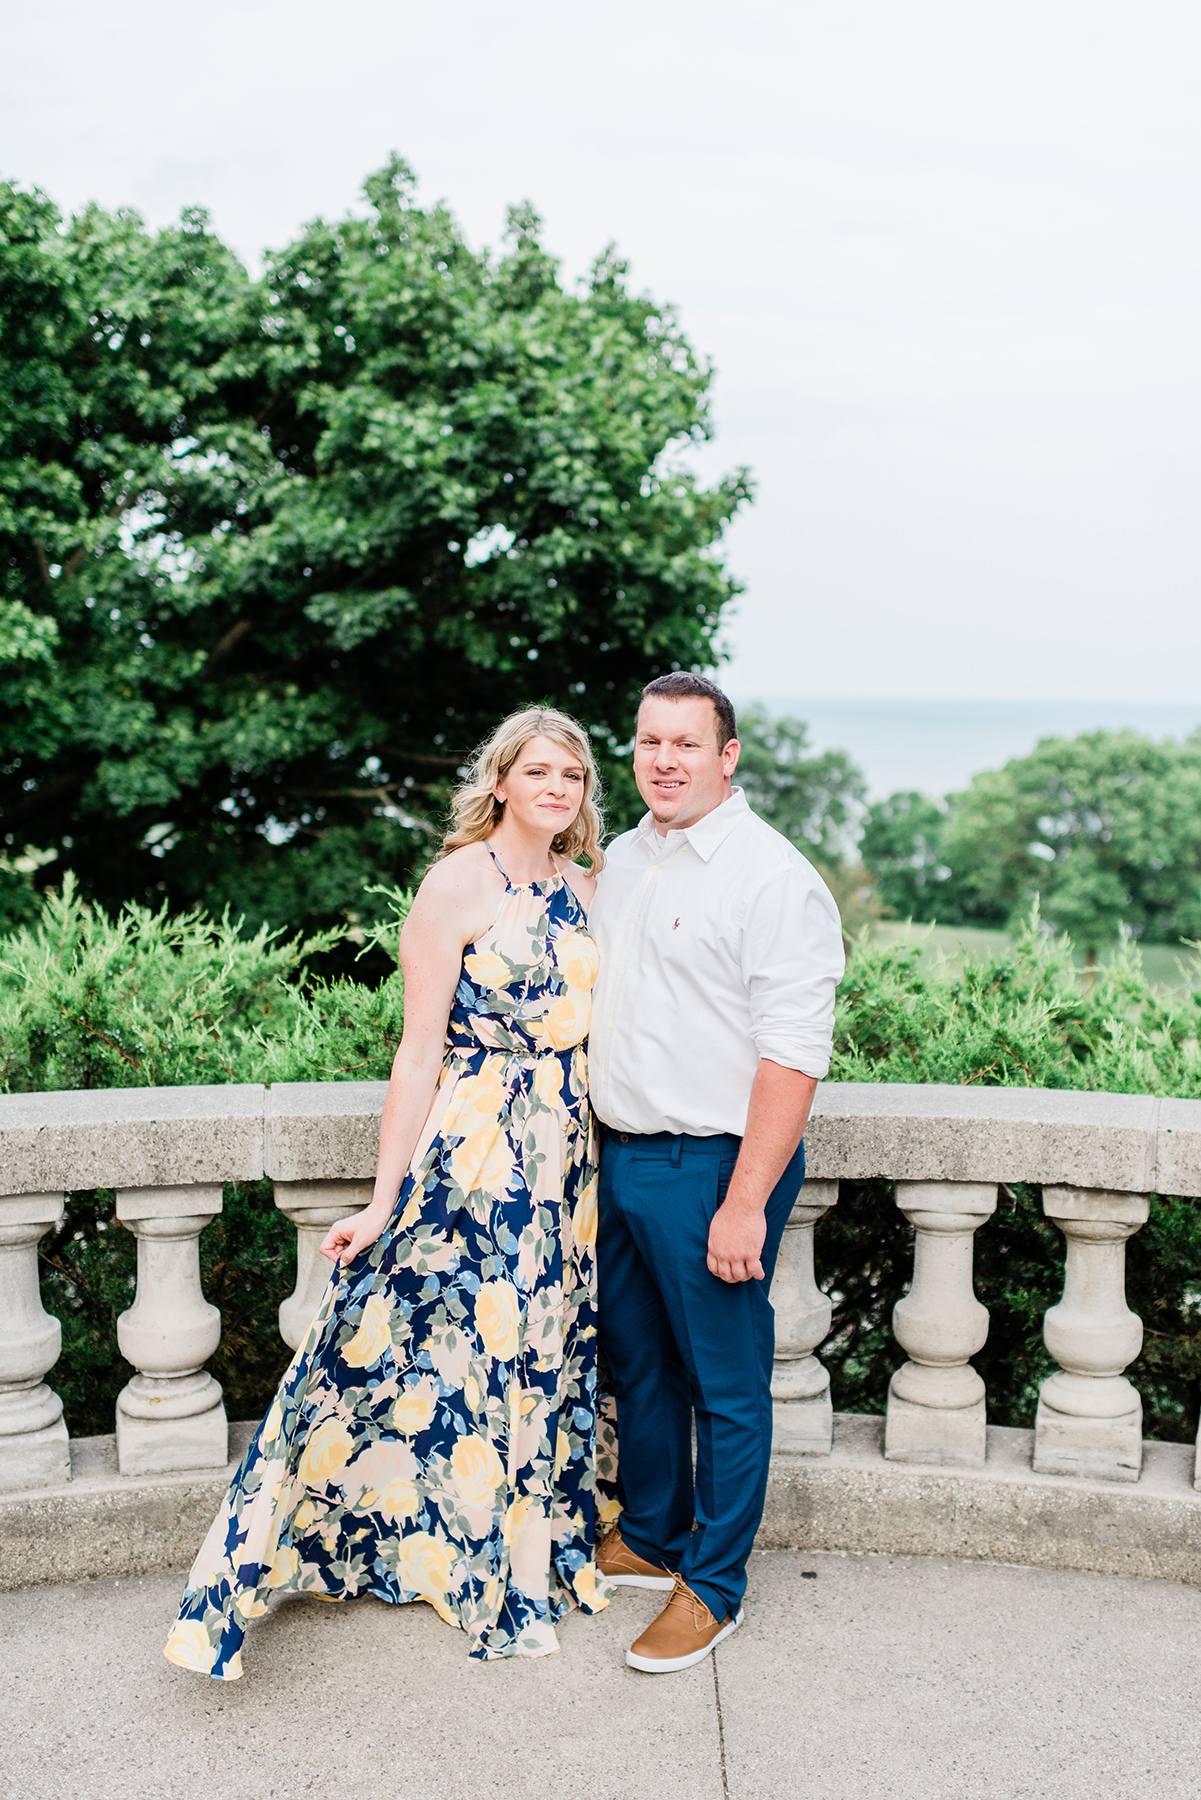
pixel 274 555
pixel 1104 828
pixel 902 846
pixel 815 800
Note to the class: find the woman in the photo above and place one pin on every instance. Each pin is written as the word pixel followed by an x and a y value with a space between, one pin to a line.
pixel 434 1435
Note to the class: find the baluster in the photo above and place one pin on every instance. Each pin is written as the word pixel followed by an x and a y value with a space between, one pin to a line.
pixel 312 1206
pixel 1090 1418
pixel 170 1416
pixel 33 1436
pixel 936 1399
pixel 802 1417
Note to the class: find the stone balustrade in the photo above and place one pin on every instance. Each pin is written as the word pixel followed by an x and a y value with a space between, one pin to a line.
pixel 166 1152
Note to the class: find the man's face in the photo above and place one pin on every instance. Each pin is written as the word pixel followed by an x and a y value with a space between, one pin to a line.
pixel 681 773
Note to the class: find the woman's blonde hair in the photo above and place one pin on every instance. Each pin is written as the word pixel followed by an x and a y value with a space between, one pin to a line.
pixel 476 812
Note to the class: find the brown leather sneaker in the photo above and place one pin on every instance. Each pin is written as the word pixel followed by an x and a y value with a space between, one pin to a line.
pixel 683 1634
pixel 620 1565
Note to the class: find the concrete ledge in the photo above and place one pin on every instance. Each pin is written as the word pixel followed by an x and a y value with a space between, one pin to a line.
pixel 941 1133
pixel 328 1131
pixel 101 1525
pixel 130 1138
pixel 853 1500
pixel 323 1130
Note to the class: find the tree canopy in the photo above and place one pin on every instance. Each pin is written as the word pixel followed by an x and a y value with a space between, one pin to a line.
pixel 1103 830
pixel 276 553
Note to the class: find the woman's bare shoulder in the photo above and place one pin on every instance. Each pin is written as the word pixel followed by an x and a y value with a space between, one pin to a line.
pixel 458 895
pixel 462 872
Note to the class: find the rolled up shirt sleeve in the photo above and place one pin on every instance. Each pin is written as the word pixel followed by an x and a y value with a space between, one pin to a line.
pixel 792 962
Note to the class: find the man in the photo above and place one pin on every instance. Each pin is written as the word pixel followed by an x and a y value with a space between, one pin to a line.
pixel 711 1026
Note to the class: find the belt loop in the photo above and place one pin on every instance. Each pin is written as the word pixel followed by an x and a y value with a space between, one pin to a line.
pixel 677 1151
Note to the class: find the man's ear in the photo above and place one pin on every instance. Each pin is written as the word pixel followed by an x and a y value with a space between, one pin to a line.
pixel 730 755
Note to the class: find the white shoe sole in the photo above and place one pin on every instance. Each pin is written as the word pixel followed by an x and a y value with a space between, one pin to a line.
pixel 667 1665
pixel 662 1584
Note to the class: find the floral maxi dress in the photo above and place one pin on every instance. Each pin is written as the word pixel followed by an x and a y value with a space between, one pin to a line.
pixel 434 1437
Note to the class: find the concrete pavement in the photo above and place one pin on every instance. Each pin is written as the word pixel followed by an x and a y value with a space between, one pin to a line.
pixel 877 1676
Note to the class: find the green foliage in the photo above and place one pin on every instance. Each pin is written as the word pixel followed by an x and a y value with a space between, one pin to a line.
pixel 901 844
pixel 1103 829
pixel 814 800
pixel 142 1000
pixel 1026 1017
pixel 275 554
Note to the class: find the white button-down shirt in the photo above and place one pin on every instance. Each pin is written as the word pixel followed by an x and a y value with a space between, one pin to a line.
pixel 719 945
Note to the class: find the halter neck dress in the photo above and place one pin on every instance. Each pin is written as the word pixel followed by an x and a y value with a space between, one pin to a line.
pixel 434 1437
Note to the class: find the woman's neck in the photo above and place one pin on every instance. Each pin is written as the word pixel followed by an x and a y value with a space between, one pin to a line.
pixel 524 855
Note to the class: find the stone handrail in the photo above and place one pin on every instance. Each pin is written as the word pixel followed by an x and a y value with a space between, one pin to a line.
pixel 168 1151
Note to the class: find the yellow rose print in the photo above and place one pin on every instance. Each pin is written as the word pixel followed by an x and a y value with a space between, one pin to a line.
pixel 423 1566
pixel 579 960
pixel 496 1318
pixel 373 1336
pixel 400 1500
pixel 476 1472
pixel 483 1162
pixel 189 1645
pixel 486 969
pixel 285 1566
pixel 328 1450
pixel 413 1409
pixel 566 1022
pixel 548 1080
pixel 583 1218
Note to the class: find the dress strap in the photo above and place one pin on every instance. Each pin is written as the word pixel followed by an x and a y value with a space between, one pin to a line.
pixel 499 864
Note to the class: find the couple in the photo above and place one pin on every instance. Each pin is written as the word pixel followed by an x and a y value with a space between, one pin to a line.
pixel 436 1435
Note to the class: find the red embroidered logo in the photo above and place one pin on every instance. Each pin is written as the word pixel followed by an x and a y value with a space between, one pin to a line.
pixel 676 926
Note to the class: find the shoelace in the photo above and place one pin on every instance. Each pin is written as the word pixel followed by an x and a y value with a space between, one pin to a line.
pixel 700 1612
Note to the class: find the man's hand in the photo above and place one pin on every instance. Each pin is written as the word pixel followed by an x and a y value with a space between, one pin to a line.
pixel 735 1242
pixel 775 1124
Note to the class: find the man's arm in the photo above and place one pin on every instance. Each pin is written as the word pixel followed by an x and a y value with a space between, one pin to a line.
pixel 775 1124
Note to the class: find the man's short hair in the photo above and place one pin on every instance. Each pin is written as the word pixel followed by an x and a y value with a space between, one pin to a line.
pixel 681 685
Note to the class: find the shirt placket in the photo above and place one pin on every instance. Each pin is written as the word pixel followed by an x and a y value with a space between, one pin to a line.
pixel 631 947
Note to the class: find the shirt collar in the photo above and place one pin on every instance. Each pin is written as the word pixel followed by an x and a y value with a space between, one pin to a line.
pixel 707 835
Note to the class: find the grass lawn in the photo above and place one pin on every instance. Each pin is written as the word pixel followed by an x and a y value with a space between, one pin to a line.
pixel 1168 966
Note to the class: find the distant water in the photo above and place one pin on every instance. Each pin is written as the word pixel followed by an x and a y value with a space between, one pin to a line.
pixel 938 745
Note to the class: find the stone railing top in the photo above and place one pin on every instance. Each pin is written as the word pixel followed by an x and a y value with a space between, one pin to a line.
pixel 327 1131
pixel 943 1133
pixel 323 1130
pixel 130 1138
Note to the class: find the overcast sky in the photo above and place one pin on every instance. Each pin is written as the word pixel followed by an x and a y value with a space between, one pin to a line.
pixel 944 255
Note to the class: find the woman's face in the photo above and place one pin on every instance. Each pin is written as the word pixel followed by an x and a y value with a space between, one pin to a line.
pixel 544 789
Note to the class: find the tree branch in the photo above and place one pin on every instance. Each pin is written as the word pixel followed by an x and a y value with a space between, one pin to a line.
pixel 225 647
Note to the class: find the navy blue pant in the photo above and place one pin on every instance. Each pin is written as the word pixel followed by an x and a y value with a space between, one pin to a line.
pixel 680 1342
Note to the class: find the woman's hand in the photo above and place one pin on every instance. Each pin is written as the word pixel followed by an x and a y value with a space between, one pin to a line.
pixel 349 1237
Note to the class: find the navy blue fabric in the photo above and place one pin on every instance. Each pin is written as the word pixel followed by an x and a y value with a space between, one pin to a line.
pixel 678 1341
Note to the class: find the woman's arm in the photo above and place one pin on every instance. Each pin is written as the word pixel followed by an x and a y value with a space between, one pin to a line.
pixel 451 908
